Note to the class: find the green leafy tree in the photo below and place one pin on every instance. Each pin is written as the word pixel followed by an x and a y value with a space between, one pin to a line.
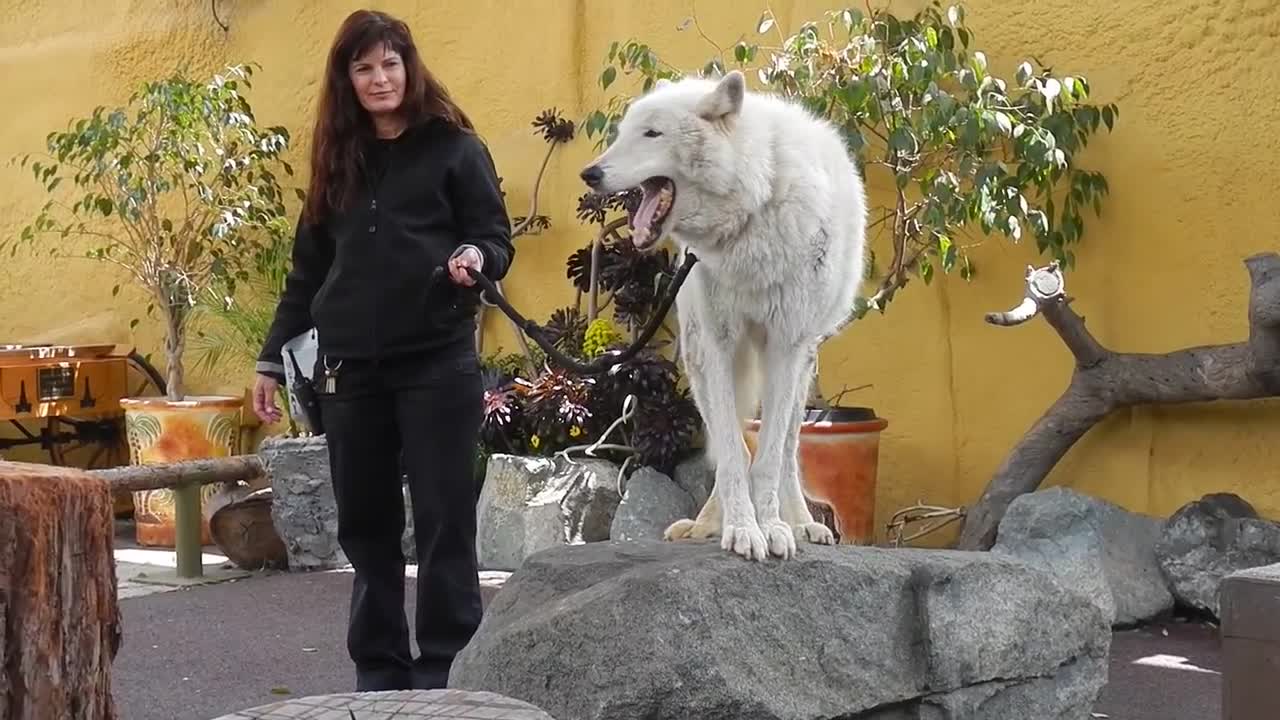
pixel 237 319
pixel 962 150
pixel 178 188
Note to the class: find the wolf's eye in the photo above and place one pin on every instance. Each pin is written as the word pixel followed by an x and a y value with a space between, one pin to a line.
pixel 651 133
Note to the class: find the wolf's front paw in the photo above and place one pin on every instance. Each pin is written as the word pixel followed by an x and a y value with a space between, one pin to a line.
pixel 815 533
pixel 689 530
pixel 782 542
pixel 747 541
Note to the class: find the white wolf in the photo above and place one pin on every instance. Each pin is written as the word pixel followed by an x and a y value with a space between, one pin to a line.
pixel 765 194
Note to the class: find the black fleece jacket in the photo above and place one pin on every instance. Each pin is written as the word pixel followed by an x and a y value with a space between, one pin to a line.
pixel 362 277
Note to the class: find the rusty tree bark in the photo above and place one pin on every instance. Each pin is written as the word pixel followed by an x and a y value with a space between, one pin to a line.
pixel 59 618
pixel 1104 381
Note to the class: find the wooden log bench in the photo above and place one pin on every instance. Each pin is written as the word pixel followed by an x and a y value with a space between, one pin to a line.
pixel 59 618
pixel 1250 630
pixel 185 479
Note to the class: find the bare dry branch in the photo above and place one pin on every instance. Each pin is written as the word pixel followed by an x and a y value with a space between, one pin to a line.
pixel 1105 381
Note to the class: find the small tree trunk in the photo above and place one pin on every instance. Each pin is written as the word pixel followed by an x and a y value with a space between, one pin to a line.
pixel 59 621
pixel 174 348
pixel 1105 381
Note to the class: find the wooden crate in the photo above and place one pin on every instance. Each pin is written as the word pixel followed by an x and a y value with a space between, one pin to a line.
pixel 1250 612
pixel 75 381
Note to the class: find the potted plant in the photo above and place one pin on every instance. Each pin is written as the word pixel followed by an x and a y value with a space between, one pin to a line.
pixel 179 191
pixel 536 408
pixel 947 148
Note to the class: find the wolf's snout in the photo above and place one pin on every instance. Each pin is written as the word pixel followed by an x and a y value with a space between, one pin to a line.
pixel 592 175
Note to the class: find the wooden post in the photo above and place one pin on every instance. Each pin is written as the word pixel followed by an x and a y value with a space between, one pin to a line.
pixel 59 618
pixel 185 478
pixel 1250 635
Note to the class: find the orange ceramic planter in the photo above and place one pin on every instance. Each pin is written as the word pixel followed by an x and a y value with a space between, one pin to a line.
pixel 839 460
pixel 163 431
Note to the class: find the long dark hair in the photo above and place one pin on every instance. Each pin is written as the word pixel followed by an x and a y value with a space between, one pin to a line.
pixel 342 123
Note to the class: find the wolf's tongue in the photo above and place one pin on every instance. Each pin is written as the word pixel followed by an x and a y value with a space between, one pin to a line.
pixel 648 208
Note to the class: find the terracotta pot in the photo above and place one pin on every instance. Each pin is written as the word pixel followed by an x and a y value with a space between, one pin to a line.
pixel 162 431
pixel 839 461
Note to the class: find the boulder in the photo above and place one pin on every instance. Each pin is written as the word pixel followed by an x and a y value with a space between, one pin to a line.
pixel 1096 547
pixel 655 630
pixel 696 476
pixel 303 509
pixel 302 505
pixel 530 504
pixel 1210 538
pixel 652 501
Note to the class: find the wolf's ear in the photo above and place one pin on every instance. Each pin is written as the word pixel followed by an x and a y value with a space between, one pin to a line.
pixel 725 99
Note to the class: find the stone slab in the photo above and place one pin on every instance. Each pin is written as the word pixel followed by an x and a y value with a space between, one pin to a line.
pixel 400 704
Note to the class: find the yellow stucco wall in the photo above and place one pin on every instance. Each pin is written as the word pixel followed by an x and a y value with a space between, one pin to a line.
pixel 1191 168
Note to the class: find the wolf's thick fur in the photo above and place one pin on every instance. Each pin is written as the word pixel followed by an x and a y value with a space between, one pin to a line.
pixel 768 198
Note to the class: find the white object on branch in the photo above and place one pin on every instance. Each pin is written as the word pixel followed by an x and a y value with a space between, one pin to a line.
pixel 1043 284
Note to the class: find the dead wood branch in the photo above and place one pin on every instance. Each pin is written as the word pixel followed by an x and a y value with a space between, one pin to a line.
pixel 133 478
pixel 1105 381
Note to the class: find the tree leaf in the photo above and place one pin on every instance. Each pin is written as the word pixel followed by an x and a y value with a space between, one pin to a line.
pixel 947 251
pixel 1023 74
pixel 766 22
pixel 902 140
pixel 1051 88
pixel 607 77
pixel 1004 122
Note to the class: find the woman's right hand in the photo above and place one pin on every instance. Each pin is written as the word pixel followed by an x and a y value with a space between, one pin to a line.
pixel 264 399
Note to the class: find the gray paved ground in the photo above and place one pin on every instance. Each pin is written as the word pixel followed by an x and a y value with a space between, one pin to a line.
pixel 200 653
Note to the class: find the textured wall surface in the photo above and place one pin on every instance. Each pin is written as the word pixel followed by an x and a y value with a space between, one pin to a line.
pixel 1191 197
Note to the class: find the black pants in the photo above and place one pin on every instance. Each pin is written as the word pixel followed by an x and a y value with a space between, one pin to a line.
pixel 421 414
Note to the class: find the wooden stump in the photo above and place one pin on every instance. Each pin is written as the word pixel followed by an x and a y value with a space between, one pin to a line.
pixel 59 619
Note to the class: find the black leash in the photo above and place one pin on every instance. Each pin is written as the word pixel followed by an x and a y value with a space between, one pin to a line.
pixel 603 363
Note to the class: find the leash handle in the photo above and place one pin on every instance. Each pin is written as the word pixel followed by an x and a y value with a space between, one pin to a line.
pixel 602 364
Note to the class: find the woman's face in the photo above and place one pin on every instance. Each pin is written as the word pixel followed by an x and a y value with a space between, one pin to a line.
pixel 378 79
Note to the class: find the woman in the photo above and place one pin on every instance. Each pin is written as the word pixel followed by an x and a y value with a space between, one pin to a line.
pixel 400 185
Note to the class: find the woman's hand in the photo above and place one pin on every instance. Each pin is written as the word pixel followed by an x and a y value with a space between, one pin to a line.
pixel 467 257
pixel 264 399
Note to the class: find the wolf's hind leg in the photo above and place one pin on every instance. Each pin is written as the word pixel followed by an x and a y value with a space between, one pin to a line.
pixel 794 509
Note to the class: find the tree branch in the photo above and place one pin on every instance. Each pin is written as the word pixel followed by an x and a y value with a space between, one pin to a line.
pixel 533 196
pixel 1105 381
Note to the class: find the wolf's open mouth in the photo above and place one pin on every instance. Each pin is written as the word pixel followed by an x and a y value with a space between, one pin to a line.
pixel 659 194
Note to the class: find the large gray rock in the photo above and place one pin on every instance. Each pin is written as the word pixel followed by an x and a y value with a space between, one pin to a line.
pixel 1098 548
pixel 530 504
pixel 654 630
pixel 696 476
pixel 303 510
pixel 1210 538
pixel 302 505
pixel 652 501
